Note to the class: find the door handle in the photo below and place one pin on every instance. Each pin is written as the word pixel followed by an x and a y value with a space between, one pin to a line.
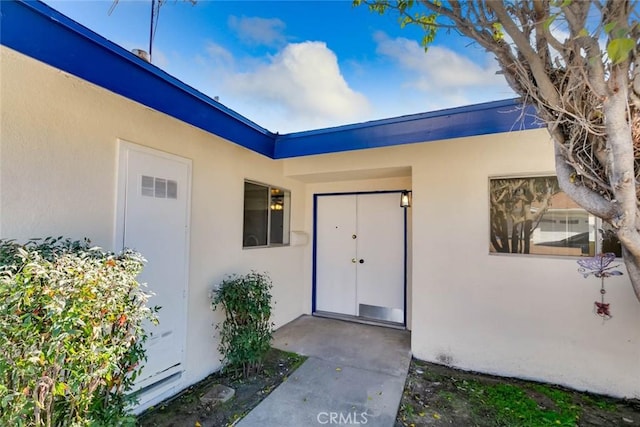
pixel 361 261
pixel 353 260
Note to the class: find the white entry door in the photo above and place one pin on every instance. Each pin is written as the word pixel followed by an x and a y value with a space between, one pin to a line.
pixel 156 223
pixel 360 256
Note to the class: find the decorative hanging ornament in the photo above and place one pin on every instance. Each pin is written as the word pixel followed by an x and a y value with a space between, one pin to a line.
pixel 599 267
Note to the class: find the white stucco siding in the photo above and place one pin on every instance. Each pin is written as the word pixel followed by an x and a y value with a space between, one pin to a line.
pixel 56 178
pixel 523 316
pixel 519 316
pixel 59 147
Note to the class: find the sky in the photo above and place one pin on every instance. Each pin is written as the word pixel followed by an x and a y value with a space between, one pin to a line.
pixel 300 64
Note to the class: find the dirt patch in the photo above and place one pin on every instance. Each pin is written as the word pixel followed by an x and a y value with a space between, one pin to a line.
pixel 187 410
pixel 436 395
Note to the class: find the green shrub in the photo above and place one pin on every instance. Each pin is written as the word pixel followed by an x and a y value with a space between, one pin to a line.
pixel 71 339
pixel 245 334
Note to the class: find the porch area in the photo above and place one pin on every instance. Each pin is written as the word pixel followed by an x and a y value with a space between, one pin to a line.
pixel 355 373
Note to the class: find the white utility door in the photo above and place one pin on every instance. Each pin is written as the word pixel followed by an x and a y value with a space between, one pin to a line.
pixel 156 223
pixel 360 256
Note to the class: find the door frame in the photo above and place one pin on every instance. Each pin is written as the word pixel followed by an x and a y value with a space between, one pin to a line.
pixel 315 244
pixel 123 148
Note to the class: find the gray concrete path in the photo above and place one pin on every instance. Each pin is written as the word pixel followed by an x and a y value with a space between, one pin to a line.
pixel 354 375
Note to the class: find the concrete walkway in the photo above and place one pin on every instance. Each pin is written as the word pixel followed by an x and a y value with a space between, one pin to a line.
pixel 354 375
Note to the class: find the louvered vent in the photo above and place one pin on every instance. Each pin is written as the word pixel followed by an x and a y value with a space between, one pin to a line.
pixel 159 188
pixel 172 189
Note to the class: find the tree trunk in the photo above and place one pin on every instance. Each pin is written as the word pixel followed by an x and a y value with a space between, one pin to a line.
pixel 500 232
pixel 622 212
pixel 528 225
pixel 633 268
pixel 514 239
pixel 496 245
pixel 622 174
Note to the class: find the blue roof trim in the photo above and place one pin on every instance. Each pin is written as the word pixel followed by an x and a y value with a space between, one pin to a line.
pixel 41 32
pixel 478 119
pixel 36 30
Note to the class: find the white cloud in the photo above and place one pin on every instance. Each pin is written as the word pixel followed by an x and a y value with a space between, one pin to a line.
pixel 218 55
pixel 160 59
pixel 450 77
pixel 258 31
pixel 302 87
pixel 303 83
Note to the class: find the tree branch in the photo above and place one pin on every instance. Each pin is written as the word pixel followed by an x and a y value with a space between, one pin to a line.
pixel 533 60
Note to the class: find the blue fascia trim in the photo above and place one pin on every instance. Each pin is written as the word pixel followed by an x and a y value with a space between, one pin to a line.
pixel 39 31
pixel 314 270
pixel 472 120
pixel 406 271
pixel 355 193
pixel 36 30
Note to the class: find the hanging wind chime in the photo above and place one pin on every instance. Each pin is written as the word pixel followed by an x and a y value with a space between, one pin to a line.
pixel 599 267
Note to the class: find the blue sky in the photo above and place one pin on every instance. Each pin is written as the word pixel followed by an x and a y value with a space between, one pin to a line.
pixel 300 65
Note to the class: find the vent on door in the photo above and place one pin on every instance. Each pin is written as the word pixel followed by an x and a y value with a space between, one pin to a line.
pixel 158 187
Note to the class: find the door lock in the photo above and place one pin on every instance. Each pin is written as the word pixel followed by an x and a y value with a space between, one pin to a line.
pixel 353 236
pixel 361 261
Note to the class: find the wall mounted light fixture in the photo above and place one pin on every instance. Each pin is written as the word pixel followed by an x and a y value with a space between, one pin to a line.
pixel 405 199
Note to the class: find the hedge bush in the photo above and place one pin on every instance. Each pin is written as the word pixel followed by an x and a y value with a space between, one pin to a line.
pixel 245 334
pixel 71 341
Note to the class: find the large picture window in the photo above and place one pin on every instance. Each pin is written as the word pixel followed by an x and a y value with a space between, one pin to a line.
pixel 266 215
pixel 531 215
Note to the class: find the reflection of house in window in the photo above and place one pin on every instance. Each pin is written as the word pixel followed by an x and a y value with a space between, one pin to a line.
pixel 565 231
pixel 531 215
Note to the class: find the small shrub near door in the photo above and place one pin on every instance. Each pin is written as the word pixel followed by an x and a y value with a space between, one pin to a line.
pixel 245 334
pixel 71 340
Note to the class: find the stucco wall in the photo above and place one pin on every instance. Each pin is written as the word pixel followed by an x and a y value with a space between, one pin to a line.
pixel 521 316
pixel 59 142
pixel 509 315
